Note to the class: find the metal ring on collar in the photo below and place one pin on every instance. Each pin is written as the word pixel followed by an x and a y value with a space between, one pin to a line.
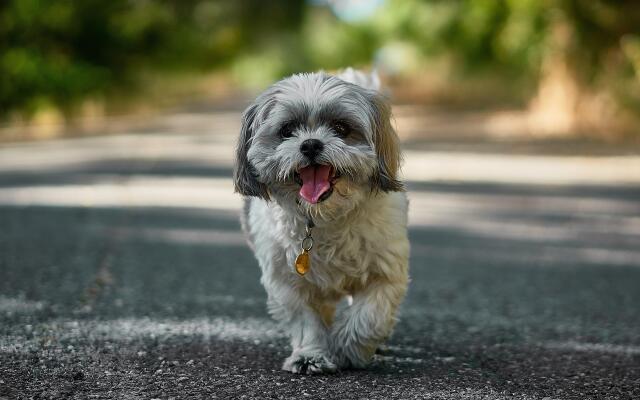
pixel 307 243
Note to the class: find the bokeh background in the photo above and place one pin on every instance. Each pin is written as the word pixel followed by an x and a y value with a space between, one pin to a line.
pixel 123 270
pixel 573 66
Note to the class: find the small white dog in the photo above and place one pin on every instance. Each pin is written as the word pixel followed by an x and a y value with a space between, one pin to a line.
pixel 325 214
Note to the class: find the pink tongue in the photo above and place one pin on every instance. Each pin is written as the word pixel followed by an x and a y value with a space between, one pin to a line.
pixel 315 181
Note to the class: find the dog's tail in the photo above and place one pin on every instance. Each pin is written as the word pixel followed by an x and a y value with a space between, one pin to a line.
pixel 369 80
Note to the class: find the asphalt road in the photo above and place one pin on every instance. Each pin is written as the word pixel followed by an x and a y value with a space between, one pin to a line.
pixel 124 275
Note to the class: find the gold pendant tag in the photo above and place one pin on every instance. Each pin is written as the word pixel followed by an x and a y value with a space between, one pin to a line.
pixel 302 262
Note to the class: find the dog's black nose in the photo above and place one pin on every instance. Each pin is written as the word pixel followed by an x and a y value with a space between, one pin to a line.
pixel 311 148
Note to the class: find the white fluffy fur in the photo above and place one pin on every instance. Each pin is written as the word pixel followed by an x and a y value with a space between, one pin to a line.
pixel 361 247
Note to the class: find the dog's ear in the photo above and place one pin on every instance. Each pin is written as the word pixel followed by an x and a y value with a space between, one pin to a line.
pixel 387 147
pixel 244 175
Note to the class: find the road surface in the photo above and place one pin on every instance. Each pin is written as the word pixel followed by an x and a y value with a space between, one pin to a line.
pixel 124 275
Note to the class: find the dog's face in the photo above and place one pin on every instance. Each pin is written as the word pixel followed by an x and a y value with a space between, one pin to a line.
pixel 317 143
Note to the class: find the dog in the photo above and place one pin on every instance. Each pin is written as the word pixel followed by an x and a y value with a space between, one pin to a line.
pixel 325 214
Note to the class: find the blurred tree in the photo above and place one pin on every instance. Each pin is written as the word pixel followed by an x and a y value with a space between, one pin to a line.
pixel 587 77
pixel 578 61
pixel 57 52
pixel 581 57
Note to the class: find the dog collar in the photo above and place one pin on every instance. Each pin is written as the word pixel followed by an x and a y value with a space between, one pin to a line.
pixel 303 261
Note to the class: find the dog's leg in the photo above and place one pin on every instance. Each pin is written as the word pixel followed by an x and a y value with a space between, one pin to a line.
pixel 308 332
pixel 362 326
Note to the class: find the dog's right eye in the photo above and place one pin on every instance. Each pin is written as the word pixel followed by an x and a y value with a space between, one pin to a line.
pixel 341 128
pixel 286 130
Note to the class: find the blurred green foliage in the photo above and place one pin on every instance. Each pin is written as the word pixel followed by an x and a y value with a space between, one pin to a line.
pixel 511 39
pixel 58 52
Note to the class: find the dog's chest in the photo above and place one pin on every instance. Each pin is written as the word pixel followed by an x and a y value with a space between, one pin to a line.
pixel 345 254
pixel 349 255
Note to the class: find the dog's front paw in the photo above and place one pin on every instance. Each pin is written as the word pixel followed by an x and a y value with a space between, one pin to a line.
pixel 351 358
pixel 300 362
pixel 349 353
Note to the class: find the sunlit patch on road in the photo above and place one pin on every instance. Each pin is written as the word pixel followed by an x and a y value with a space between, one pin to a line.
pixel 212 237
pixel 594 348
pixel 19 305
pixel 62 333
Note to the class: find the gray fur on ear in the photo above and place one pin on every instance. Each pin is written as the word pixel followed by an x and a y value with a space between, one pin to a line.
pixel 387 147
pixel 244 175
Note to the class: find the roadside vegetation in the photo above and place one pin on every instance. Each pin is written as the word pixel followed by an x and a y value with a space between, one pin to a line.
pixel 572 65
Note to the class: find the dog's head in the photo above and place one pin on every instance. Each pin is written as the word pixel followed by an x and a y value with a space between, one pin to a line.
pixel 317 142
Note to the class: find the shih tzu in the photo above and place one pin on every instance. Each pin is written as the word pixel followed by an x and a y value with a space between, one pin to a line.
pixel 325 214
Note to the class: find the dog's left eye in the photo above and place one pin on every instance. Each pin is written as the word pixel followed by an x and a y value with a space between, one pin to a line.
pixel 286 130
pixel 341 128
